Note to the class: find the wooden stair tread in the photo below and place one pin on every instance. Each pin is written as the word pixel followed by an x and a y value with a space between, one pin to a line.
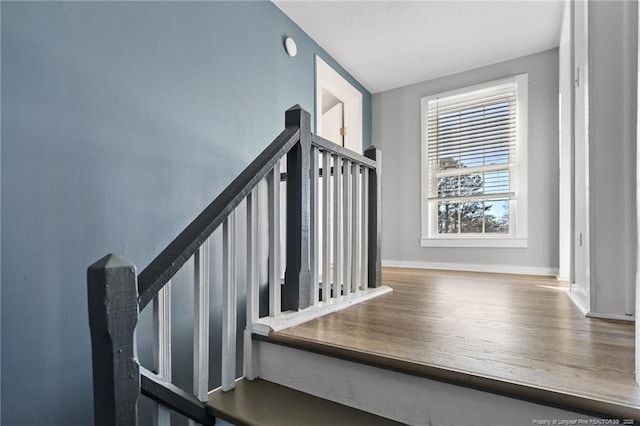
pixel 260 402
pixel 537 394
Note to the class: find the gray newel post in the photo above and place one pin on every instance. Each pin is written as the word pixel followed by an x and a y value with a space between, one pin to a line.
pixel 296 293
pixel 113 314
pixel 375 221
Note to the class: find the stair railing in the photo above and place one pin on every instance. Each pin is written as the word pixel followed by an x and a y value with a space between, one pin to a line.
pixel 349 264
pixel 345 230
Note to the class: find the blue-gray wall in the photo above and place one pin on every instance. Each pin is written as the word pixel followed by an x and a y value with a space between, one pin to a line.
pixel 120 122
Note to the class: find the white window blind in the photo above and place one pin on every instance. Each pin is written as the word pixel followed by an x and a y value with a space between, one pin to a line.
pixel 472 141
pixel 471 147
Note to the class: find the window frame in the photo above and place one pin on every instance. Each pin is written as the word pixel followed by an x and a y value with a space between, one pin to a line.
pixel 518 206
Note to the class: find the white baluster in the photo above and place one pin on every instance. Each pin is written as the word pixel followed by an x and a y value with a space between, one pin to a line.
pixel 346 235
pixel 355 216
pixel 250 360
pixel 228 303
pixel 273 181
pixel 283 221
pixel 314 246
pixel 337 226
pixel 162 347
pixel 201 323
pixel 365 228
pixel 326 226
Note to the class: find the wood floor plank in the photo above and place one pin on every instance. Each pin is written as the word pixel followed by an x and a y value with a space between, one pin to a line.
pixel 262 403
pixel 518 329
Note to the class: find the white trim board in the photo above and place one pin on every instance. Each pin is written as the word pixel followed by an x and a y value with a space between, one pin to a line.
pixel 266 325
pixel 468 267
pixel 401 397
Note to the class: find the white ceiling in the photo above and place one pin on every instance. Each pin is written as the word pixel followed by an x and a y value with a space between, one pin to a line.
pixel 389 44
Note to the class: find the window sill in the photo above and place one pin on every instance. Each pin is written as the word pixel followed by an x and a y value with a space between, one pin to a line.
pixel 500 242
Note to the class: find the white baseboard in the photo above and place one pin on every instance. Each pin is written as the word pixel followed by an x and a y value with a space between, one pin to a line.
pixel 617 317
pixel 578 298
pixel 498 269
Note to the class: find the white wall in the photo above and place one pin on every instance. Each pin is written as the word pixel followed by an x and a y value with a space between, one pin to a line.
pixel 637 369
pixel 612 44
pixel 396 130
pixel 565 82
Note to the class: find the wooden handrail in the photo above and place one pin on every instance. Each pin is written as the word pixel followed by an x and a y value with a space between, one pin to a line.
pixel 178 252
pixel 343 152
pixel 283 175
pixel 163 392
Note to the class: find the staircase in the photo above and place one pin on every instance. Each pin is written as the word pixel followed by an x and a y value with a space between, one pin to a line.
pixel 327 258
pixel 304 219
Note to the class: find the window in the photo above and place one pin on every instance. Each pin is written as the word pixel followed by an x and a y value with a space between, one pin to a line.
pixel 474 170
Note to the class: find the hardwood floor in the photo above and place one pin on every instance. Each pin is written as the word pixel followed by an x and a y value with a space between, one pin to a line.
pixel 505 333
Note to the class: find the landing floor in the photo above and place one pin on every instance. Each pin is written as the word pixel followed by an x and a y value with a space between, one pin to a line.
pixel 511 334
